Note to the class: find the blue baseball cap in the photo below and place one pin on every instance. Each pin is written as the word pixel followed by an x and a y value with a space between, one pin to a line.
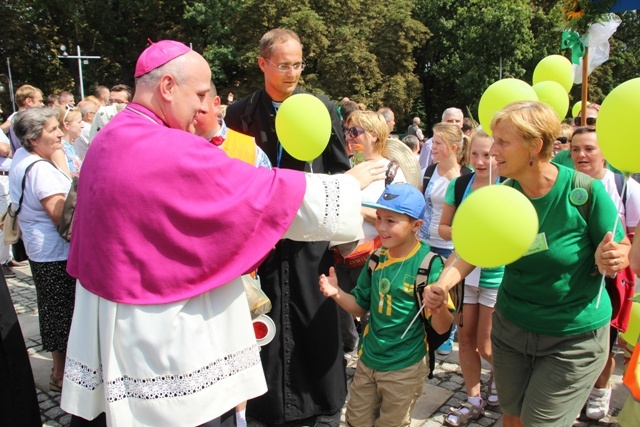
pixel 401 198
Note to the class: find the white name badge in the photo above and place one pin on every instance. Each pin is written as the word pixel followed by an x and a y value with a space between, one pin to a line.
pixel 539 245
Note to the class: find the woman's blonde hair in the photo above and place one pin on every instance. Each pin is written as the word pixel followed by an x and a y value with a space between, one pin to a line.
pixel 373 124
pixel 451 135
pixel 531 120
pixel 67 115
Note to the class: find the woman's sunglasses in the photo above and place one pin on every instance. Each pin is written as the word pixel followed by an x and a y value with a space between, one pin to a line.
pixel 563 139
pixel 353 131
pixel 591 121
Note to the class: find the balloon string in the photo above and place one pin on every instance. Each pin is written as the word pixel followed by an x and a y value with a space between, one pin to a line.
pixel 444 273
pixel 310 167
pixel 615 228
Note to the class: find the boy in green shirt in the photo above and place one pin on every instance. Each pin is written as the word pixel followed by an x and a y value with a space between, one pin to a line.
pixel 391 370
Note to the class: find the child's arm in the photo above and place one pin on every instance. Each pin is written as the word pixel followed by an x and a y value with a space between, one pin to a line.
pixel 329 288
pixel 442 319
pixel 434 297
pixel 444 228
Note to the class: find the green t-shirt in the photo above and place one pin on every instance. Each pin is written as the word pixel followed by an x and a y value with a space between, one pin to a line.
pixel 489 277
pixel 563 158
pixel 391 312
pixel 554 292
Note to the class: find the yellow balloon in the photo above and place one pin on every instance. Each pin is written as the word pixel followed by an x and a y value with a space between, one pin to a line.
pixel 494 226
pixel 555 68
pixel 553 94
pixel 303 126
pixel 617 136
pixel 633 330
pixel 499 95
pixel 577 107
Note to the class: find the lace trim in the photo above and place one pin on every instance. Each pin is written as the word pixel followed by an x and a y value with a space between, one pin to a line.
pixel 163 386
pixel 329 224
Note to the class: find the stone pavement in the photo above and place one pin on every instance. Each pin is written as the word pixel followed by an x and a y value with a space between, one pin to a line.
pixel 446 389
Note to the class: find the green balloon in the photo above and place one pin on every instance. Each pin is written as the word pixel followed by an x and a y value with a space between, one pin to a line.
pixel 499 95
pixel 485 236
pixel 303 126
pixel 617 136
pixel 553 93
pixel 554 68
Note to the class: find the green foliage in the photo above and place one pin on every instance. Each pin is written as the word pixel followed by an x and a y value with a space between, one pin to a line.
pixel 417 57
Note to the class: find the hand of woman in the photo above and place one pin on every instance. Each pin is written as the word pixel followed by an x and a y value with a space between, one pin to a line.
pixel 611 256
pixel 367 172
pixel 434 298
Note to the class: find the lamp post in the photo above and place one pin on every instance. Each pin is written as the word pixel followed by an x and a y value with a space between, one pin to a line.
pixel 80 58
pixel 10 82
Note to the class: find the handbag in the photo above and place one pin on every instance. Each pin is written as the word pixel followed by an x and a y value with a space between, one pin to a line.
pixel 360 254
pixel 10 226
pixel 68 210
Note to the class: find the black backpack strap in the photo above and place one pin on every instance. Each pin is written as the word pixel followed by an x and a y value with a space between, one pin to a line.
pixel 462 182
pixel 428 173
pixel 374 259
pixel 24 180
pixel 465 171
pixel 619 178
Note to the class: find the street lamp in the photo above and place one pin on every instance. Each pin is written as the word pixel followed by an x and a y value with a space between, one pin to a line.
pixel 80 59
pixel 10 82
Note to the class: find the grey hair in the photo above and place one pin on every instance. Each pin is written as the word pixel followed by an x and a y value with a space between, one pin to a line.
pixel 176 67
pixel 386 113
pixel 416 120
pixel 29 123
pixel 451 111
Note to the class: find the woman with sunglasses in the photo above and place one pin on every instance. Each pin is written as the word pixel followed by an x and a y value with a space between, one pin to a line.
pixel 70 120
pixel 588 159
pixel 366 133
pixel 564 157
pixel 550 330
pixel 563 141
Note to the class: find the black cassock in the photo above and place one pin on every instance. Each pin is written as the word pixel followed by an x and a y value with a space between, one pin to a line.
pixel 304 364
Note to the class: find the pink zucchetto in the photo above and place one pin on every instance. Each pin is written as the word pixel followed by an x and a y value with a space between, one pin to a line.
pixel 159 54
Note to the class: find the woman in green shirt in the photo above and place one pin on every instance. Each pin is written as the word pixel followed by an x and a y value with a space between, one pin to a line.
pixel 550 327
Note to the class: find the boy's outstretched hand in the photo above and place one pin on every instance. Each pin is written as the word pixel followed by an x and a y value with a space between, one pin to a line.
pixel 329 284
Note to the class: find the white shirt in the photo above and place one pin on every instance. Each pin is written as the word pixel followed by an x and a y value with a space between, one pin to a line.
pixel 434 196
pixel 40 235
pixel 630 212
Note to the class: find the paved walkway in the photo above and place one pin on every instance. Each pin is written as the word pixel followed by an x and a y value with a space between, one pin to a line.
pixel 446 389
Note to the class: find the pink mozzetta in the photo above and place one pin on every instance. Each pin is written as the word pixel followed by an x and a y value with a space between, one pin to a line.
pixel 163 215
pixel 159 54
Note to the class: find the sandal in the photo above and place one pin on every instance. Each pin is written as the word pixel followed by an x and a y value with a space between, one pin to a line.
pixel 55 385
pixel 463 414
pixel 492 393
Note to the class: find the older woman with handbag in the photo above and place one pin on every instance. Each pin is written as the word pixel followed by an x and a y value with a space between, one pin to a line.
pixel 551 324
pixel 40 188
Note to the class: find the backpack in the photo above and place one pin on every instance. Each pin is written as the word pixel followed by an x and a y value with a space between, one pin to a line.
pixel 428 173
pixel 456 297
pixel 622 287
pixel 461 186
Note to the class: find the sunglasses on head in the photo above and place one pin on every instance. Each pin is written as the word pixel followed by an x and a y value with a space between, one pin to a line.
pixel 591 121
pixel 353 131
pixel 562 139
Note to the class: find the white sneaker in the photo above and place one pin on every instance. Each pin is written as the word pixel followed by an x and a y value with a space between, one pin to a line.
pixel 598 403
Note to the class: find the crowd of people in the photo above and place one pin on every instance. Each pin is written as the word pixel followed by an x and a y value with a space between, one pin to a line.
pixel 145 312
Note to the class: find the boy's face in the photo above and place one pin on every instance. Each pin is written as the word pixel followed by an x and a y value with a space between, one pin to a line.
pixel 396 230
